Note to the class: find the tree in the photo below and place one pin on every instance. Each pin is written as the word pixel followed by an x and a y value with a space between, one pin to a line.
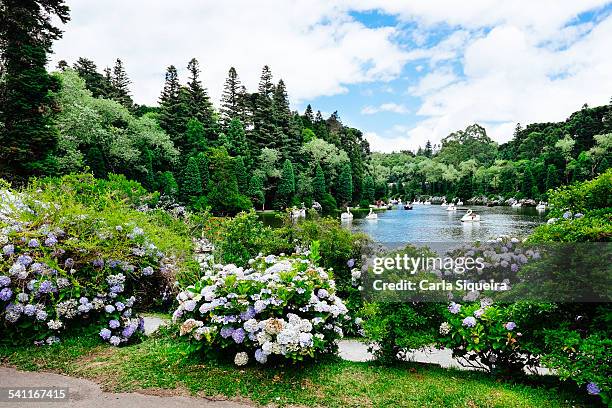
pixel 232 99
pixel 173 112
pixel 263 118
pixel 319 187
pixel 528 185
pixel 286 185
pixel 27 134
pixel 94 81
pixel 242 177
pixel 369 189
pixel 195 137
pixel 552 177
pixel 237 142
pixel 286 141
pixel 120 86
pixel 95 161
pixel 308 117
pixel 204 172
pixel 167 184
pixel 256 191
pixel 191 186
pixel 345 185
pixel 223 195
pixel 199 105
pixel 566 147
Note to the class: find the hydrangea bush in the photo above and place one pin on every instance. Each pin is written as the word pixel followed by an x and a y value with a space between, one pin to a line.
pixel 278 309
pixel 482 336
pixel 64 265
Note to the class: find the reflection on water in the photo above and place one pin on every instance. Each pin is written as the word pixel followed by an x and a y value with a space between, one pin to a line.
pixel 432 223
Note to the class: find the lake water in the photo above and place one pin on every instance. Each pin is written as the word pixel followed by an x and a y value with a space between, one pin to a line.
pixel 433 224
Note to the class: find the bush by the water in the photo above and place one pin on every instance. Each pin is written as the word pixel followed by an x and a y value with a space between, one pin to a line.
pixel 75 254
pixel 279 308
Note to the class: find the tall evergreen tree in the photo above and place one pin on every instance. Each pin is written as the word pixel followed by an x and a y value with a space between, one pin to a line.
pixel 204 172
pixel 120 85
pixel 320 127
pixel 237 142
pixel 345 185
pixel 256 191
pixel 172 108
pixel 195 137
pixel 191 186
pixel 94 81
pixel 232 99
pixel 27 134
pixel 309 117
pixel 319 187
pixel 199 105
pixel 286 185
pixel 369 189
pixel 263 117
pixel 552 177
pixel 242 176
pixel 167 184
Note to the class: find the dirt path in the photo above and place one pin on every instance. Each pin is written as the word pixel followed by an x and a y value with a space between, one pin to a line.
pixel 87 394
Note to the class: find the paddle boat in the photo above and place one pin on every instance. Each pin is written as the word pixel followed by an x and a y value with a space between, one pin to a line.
pixel 541 206
pixel 348 215
pixel 371 215
pixel 451 207
pixel 517 205
pixel 459 202
pixel 444 204
pixel 470 216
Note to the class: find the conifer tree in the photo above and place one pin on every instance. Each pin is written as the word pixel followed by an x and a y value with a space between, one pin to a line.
pixel 256 191
pixel 319 187
pixel 286 185
pixel 148 178
pixel 199 105
pixel 172 108
pixel 95 161
pixel 345 185
pixel 320 127
pixel 94 81
pixel 552 177
pixel 232 99
pixel 204 172
pixel 120 85
pixel 166 184
pixel 369 189
pixel 195 137
pixel 192 182
pixel 242 177
pixel 27 133
pixel 263 117
pixel 237 142
pixel 308 117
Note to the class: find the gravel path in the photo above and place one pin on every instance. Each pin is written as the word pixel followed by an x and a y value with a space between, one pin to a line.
pixel 87 394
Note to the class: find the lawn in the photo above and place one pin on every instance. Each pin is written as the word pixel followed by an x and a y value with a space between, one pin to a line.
pixel 165 366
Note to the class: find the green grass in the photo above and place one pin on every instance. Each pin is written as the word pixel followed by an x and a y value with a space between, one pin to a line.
pixel 164 363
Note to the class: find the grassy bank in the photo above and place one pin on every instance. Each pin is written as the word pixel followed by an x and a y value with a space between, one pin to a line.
pixel 163 366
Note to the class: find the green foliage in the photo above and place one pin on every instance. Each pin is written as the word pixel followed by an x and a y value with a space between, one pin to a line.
pixel 166 184
pixel 191 185
pixel 223 195
pixel 319 188
pixel 242 176
pixel 286 185
pixel 256 191
pixel 345 185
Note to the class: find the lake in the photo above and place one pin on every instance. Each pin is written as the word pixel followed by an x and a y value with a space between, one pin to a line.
pixel 433 224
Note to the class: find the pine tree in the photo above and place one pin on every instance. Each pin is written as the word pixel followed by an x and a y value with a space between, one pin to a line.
pixel 167 184
pixel 148 178
pixel 237 142
pixel 345 185
pixel 286 185
pixel 428 150
pixel 308 117
pixel 172 109
pixel 199 104
pixel 94 81
pixel 552 177
pixel 320 127
pixel 192 182
pixel 232 99
pixel 195 137
pixel 120 85
pixel 263 118
pixel 27 133
pixel 242 177
pixel 256 191
pixel 369 189
pixel 204 172
pixel 319 187
pixel 528 183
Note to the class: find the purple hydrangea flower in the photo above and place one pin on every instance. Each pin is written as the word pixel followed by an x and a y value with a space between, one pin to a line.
pixel 41 315
pixel 514 267
pixel 98 263
pixel 578 215
pixel 113 324
pixel 46 287
pixel 510 326
pixel 4 281
pixel 114 340
pixel 24 260
pixel 454 308
pixel 109 308
pixel 226 332
pixel 120 306
pixel 351 263
pixel 260 356
pixel 69 263
pixel 33 243
pixel 129 330
pixel 105 334
pixel 238 335
pixel 593 389
pixel 113 263
pixel 469 321
pixel 50 241
pixel 8 250
pixel 6 294
pixel 248 314
pixel 190 305
pixel 567 215
pixel 478 313
pixel 148 271
pixel 29 310
pixel 116 288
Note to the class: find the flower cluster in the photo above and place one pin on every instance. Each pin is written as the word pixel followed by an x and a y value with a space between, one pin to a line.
pixel 279 308
pixel 55 273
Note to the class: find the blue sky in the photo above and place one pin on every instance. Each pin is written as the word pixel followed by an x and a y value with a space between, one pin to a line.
pixel 402 71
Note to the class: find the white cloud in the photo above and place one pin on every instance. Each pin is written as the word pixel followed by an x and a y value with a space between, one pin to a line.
pixel 385 107
pixel 387 144
pixel 315 46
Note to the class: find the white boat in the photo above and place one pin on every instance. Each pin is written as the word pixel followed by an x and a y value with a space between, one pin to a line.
pixel 459 202
pixel 348 215
pixel 371 216
pixel 470 216
pixel 541 206
pixel 451 207
pixel 517 205
pixel 443 203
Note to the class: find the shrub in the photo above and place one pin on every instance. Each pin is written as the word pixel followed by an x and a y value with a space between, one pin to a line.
pixel 65 264
pixel 481 335
pixel 280 308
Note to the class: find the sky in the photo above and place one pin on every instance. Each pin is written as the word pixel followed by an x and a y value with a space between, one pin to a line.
pixel 403 72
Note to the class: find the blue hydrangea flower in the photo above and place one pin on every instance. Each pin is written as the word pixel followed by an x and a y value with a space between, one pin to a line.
pixel 98 263
pixel 29 310
pixel 51 241
pixel 148 271
pixel 226 332
pixel 6 294
pixel 8 250
pixel 4 281
pixel 114 340
pixel 469 321
pixel 69 263
pixel 248 314
pixel 119 306
pixel 46 287
pixel 567 215
pixel 351 263
pixel 109 308
pixel 454 308
pixel 593 389
pixel 33 243
pixel 41 315
pixel 24 260
pixel 510 326
pixel 238 335
pixel 113 324
pixel 105 334
pixel 129 330
pixel 260 356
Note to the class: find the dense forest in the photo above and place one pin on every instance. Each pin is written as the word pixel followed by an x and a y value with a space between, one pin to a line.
pixel 253 150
